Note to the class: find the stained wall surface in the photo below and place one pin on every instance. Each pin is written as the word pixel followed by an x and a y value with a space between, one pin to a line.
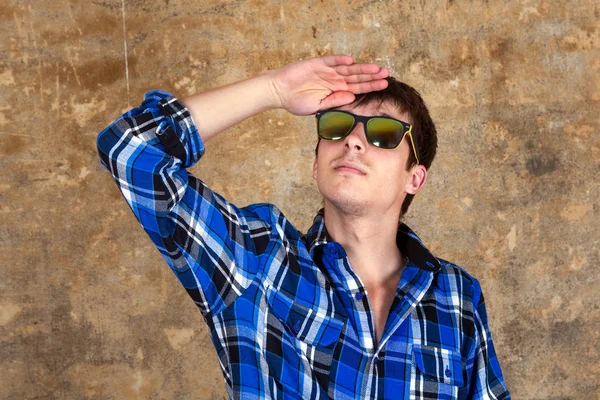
pixel 88 307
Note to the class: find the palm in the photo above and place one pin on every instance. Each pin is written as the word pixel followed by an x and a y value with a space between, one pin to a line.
pixel 304 87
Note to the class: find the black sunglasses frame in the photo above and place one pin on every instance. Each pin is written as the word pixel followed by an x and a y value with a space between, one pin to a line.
pixel 364 120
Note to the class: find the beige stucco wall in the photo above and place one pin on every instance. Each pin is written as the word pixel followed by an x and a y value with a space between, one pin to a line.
pixel 88 307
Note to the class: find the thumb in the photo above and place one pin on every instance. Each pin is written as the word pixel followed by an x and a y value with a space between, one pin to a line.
pixel 337 99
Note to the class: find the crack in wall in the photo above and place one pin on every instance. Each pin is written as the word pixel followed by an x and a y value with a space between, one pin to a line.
pixel 125 50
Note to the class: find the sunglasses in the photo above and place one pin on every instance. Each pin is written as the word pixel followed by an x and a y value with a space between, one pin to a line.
pixel 382 132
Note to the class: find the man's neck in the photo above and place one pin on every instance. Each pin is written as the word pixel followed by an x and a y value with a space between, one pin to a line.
pixel 370 243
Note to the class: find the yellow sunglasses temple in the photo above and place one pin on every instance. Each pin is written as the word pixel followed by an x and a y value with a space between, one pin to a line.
pixel 412 142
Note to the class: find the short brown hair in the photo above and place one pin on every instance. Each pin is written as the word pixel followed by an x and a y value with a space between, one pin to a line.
pixel 410 102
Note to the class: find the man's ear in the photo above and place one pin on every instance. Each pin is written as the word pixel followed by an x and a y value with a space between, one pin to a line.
pixel 315 165
pixel 416 180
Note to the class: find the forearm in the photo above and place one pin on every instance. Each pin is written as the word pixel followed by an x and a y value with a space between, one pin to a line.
pixel 220 108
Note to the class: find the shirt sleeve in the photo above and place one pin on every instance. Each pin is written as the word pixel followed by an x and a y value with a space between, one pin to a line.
pixel 487 380
pixel 214 248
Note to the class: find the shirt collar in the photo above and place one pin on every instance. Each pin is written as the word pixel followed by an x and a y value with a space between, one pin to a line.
pixel 406 239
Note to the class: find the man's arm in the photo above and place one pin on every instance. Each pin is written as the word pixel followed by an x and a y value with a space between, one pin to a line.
pixel 487 380
pixel 214 248
pixel 302 88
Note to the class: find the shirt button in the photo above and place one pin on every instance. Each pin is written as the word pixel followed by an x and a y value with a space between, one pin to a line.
pixel 448 373
pixel 296 327
pixel 333 252
pixel 358 296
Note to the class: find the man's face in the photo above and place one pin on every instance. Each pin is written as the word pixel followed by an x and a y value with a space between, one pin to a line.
pixel 361 179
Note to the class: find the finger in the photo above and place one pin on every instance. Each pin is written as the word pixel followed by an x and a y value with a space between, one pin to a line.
pixel 337 99
pixel 355 69
pixel 382 74
pixel 339 59
pixel 365 87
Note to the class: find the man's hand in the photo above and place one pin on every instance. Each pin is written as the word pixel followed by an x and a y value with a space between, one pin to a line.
pixel 302 88
pixel 307 86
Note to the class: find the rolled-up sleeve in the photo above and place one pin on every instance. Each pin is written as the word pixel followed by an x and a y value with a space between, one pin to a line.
pixel 213 247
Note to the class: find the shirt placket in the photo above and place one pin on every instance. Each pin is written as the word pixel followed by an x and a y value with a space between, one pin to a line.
pixel 366 321
pixel 361 305
pixel 362 315
pixel 350 285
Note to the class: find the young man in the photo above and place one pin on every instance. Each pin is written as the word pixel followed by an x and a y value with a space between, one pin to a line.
pixel 356 308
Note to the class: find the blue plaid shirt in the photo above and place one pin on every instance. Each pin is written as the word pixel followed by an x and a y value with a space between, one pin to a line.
pixel 287 314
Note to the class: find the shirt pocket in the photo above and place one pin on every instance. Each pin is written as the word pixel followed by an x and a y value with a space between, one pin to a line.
pixel 439 365
pixel 312 326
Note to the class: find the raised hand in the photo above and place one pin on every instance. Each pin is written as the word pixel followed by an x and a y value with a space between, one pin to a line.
pixel 307 86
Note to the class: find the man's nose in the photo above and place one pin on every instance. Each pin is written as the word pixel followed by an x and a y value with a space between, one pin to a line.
pixel 357 139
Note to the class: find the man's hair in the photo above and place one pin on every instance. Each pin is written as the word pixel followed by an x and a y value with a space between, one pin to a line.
pixel 408 101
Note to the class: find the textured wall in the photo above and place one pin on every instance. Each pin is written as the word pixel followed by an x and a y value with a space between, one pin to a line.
pixel 88 307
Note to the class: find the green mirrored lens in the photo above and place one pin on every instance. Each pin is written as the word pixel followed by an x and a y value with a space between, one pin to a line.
pixel 384 133
pixel 335 125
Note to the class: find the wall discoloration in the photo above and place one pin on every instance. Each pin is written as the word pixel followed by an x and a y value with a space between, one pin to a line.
pixel 89 309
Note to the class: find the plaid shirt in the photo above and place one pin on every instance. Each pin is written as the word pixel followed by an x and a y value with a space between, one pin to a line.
pixel 288 316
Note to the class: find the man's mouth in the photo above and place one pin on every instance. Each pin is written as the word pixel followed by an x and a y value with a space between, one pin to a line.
pixel 350 168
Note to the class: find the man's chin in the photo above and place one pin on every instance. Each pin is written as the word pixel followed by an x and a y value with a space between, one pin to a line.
pixel 347 204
